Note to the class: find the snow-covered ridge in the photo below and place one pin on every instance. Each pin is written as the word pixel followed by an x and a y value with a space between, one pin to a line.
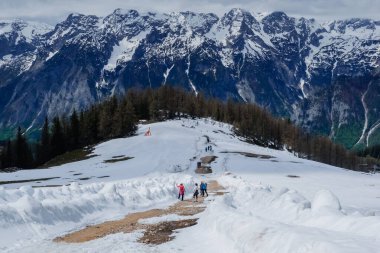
pixel 191 26
pixel 27 30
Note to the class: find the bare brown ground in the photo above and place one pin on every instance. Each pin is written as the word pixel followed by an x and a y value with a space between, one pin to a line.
pixel 162 232
pixel 208 159
pixel 154 233
pixel 205 169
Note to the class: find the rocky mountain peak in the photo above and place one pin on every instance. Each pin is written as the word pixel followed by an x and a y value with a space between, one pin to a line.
pixel 239 20
pixel 278 22
pixel 320 75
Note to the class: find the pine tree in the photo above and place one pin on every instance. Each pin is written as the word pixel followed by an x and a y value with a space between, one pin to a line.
pixel 154 109
pixel 7 156
pixel 23 153
pixel 124 123
pixel 74 133
pixel 190 106
pixel 93 126
pixel 229 114
pixel 44 148
pixel 106 117
pixel 57 143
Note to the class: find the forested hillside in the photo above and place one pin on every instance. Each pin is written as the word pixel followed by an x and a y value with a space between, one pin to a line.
pixel 118 117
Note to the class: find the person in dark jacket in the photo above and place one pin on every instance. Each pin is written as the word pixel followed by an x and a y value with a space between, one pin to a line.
pixel 196 192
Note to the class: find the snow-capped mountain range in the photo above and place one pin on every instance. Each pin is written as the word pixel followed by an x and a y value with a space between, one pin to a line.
pixel 323 76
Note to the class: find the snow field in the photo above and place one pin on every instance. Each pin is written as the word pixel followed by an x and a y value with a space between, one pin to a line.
pixel 324 209
pixel 170 149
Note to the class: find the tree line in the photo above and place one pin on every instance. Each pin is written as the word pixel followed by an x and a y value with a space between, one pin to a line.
pixel 373 151
pixel 112 118
pixel 118 117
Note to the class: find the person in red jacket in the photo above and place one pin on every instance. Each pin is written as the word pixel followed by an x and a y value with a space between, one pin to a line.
pixel 181 192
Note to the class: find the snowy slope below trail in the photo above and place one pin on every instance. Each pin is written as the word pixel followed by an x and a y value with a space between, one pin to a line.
pixel 276 203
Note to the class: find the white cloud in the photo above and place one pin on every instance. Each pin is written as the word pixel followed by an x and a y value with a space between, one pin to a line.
pixel 55 10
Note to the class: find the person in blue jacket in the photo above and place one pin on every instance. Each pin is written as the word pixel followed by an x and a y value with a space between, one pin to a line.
pixel 203 188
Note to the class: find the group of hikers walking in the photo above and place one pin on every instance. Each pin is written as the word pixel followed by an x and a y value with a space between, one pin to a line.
pixel 202 188
pixel 208 148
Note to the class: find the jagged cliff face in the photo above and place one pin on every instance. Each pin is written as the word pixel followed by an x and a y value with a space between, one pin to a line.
pixel 325 77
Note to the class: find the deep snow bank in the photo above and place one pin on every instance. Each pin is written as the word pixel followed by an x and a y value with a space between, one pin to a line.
pixel 50 211
pixel 258 218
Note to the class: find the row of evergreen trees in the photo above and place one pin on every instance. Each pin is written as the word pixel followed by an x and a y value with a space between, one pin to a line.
pixel 111 119
pixel 17 153
pixel 373 151
pixel 117 117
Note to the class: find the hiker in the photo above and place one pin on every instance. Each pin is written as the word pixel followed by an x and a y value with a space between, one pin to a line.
pixel 202 187
pixel 181 191
pixel 205 189
pixel 196 192
pixel 148 133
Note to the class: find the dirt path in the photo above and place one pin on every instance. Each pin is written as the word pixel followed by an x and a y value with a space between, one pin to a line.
pixel 208 159
pixel 154 233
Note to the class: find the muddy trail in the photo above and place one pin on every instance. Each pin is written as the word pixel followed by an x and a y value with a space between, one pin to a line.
pixel 153 233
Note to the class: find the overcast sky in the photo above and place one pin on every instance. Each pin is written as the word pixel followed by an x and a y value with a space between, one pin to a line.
pixel 53 11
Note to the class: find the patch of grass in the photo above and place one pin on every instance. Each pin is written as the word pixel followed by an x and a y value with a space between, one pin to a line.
pixel 115 160
pixel 247 154
pixel 118 156
pixel 103 176
pixel 27 180
pixel 69 157
pixel 84 178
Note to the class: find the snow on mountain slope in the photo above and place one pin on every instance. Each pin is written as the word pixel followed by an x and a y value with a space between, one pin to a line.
pixel 276 203
pixel 295 67
pixel 24 30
